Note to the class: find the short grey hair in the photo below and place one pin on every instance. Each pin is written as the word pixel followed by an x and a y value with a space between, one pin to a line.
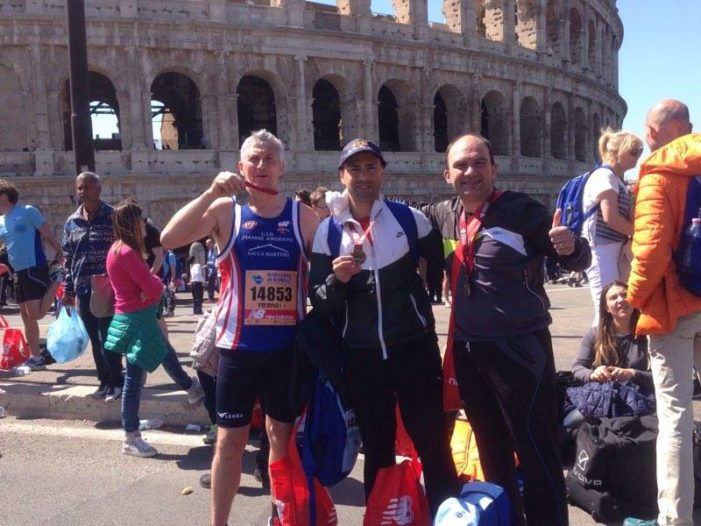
pixel 90 175
pixel 264 137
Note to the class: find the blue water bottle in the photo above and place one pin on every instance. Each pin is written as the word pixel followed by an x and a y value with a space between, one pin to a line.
pixel 692 248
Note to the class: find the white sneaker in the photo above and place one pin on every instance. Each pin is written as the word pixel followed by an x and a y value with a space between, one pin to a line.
pixel 195 393
pixel 136 446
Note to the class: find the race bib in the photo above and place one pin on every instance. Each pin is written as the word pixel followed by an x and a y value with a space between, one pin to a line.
pixel 271 297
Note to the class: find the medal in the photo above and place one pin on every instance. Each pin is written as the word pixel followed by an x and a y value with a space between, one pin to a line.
pixel 358 254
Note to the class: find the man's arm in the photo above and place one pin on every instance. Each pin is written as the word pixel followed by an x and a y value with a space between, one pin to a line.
pixel 48 236
pixel 309 222
pixel 158 259
pixel 653 237
pixel 200 217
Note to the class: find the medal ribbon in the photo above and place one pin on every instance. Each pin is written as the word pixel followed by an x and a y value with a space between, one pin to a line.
pixel 359 239
pixel 254 186
pixel 469 228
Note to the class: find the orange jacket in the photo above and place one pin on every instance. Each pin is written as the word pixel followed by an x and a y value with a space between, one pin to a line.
pixel 654 286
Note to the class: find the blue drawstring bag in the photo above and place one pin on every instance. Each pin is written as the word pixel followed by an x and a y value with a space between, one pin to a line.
pixel 67 338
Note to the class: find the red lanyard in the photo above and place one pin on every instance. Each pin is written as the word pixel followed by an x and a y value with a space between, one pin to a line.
pixel 469 229
pixel 359 239
pixel 261 189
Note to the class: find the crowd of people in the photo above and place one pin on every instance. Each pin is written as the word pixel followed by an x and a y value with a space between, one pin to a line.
pixel 354 254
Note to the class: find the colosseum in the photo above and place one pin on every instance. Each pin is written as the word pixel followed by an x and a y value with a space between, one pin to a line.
pixel 539 78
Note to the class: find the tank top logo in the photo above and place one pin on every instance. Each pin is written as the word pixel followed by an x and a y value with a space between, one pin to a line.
pixel 249 225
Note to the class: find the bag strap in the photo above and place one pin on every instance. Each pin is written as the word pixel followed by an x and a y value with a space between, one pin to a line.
pixel 402 213
pixel 333 237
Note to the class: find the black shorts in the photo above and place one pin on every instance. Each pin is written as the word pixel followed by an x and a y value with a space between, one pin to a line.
pixel 244 375
pixel 31 283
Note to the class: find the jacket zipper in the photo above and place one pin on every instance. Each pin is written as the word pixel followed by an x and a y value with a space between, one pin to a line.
pixel 380 333
pixel 528 288
pixel 416 309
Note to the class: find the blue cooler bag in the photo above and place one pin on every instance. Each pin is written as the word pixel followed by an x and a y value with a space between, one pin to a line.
pixel 479 504
pixel 67 338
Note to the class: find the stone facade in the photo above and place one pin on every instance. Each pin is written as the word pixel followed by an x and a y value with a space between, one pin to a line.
pixel 538 77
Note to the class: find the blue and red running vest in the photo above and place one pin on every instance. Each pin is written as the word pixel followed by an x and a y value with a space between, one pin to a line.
pixel 263 281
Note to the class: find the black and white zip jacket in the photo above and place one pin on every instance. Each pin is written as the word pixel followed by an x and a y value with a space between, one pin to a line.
pixel 507 297
pixel 385 304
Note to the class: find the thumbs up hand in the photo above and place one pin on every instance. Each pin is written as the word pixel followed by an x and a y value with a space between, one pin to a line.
pixel 560 236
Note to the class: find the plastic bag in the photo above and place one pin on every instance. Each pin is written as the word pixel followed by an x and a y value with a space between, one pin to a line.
pixel 67 338
pixel 397 498
pixel 15 350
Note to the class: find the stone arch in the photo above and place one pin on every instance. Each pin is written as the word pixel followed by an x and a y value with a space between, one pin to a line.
pixel 14 113
pixel 176 98
pixel 527 23
pixel 575 36
pixel 103 101
pixel 580 135
pixel 494 122
pixel 448 115
pixel 396 111
pixel 256 106
pixel 531 126
pixel 326 116
pixel 591 52
pixel 596 131
pixel 552 27
pixel 558 131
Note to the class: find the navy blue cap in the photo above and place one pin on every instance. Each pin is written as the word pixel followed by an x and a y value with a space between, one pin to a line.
pixel 360 146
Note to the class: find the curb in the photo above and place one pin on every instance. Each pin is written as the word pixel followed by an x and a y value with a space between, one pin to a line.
pixel 73 402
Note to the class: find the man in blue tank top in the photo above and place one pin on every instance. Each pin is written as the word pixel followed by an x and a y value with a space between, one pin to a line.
pixel 22 227
pixel 263 249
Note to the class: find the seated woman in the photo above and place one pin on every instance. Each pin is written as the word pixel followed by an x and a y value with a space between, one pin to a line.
pixel 611 353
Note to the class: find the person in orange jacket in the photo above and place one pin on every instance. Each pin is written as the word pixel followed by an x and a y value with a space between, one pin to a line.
pixel 670 314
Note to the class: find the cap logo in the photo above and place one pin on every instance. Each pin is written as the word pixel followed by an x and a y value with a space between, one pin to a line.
pixel 358 143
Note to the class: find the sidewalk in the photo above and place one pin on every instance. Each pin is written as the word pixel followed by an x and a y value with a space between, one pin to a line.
pixel 61 391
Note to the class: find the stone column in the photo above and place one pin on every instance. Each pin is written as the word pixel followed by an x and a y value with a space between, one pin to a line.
pixel 570 131
pixel 294 10
pixel 509 12
pixel 303 139
pixel 547 127
pixel 599 46
pixel 227 111
pixel 474 111
pixel 370 128
pixel 584 56
pixel 541 28
pixel 565 47
pixel 43 153
pixel 360 10
pixel 460 18
pixel 516 127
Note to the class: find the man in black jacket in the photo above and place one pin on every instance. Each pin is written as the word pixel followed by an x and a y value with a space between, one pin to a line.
pixel 501 348
pixel 367 280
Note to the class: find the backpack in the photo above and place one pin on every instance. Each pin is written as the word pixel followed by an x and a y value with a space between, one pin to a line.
pixel 329 437
pixel 570 201
pixel 613 476
pixel 690 276
pixel 204 353
pixel 402 213
pixel 479 504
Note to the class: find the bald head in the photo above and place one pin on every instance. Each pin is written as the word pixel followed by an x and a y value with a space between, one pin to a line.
pixel 666 121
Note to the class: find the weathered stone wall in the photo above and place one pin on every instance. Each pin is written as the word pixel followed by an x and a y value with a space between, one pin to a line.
pixel 508 63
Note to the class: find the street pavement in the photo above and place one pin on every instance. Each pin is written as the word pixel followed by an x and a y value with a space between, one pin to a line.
pixel 60 461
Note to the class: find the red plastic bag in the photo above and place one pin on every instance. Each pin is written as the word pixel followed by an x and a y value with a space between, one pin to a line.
pixel 299 500
pixel 397 498
pixel 403 445
pixel 15 350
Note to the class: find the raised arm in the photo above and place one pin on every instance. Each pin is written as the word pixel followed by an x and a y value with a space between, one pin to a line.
pixel 205 214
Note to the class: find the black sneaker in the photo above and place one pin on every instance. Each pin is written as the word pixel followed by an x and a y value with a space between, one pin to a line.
pixel 47 358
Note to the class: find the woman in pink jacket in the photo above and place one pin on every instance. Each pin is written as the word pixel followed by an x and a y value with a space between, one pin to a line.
pixel 134 330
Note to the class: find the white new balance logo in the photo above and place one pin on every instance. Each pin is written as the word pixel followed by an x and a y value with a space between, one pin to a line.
pixel 399 511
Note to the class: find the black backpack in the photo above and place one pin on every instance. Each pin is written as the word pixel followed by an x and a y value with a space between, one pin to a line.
pixel 613 476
